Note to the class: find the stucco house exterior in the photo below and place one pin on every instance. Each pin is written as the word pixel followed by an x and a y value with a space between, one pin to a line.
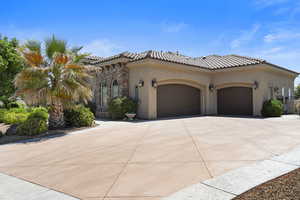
pixel 169 84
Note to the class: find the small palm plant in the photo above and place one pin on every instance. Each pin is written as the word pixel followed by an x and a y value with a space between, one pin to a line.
pixel 55 78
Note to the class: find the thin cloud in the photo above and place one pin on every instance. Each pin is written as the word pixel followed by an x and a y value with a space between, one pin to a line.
pixel 245 37
pixel 102 47
pixel 268 3
pixel 281 36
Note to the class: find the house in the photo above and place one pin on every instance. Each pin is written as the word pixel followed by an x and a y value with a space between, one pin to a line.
pixel 170 84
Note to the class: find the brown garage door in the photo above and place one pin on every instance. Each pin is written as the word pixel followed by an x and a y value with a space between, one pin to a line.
pixel 176 100
pixel 235 101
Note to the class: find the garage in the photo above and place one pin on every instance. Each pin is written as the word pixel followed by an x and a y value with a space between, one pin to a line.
pixel 178 100
pixel 235 101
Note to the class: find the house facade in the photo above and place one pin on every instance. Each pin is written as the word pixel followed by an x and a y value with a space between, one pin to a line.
pixel 167 84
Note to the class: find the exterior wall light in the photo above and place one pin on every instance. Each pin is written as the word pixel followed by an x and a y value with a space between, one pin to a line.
pixel 256 85
pixel 211 87
pixel 141 83
pixel 154 83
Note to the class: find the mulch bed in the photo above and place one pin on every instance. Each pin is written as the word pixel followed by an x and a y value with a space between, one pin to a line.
pixel 286 187
pixel 5 139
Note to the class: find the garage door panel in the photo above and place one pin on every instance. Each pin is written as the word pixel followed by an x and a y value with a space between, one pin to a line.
pixel 235 101
pixel 176 100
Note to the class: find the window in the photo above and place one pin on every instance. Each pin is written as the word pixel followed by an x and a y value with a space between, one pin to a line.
pixel 103 94
pixel 290 94
pixel 282 92
pixel 115 89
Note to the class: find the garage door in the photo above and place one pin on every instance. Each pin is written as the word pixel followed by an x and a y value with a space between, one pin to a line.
pixel 235 101
pixel 176 100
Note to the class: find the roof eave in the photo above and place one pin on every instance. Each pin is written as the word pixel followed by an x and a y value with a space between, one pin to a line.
pixel 282 68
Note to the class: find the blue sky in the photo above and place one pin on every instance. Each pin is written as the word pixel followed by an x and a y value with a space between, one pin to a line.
pixel 268 29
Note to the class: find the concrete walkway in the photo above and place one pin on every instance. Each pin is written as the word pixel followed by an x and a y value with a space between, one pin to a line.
pixel 148 160
pixel 12 188
pixel 238 181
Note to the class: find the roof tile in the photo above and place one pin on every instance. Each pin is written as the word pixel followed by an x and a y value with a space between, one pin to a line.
pixel 211 62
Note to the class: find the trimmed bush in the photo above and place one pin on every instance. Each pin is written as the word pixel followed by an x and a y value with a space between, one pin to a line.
pixel 119 106
pixel 39 112
pixel 272 108
pixel 20 115
pixel 16 104
pixel 2 113
pixel 79 116
pixel 11 117
pixel 35 124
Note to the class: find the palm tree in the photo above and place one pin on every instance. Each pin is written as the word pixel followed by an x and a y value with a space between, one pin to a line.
pixel 55 78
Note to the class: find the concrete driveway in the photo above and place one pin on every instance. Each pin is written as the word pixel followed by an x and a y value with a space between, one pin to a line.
pixel 148 160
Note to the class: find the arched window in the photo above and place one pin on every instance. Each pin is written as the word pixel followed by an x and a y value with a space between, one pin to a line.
pixel 115 89
pixel 103 94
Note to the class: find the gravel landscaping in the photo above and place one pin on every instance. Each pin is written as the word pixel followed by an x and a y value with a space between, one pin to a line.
pixel 286 187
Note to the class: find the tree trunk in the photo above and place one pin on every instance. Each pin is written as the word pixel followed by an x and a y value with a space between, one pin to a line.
pixel 56 116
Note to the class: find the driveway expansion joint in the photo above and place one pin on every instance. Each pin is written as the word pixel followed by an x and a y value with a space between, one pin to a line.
pixel 238 181
pixel 199 153
pixel 127 162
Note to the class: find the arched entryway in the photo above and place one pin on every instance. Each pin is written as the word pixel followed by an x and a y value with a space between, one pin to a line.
pixel 178 100
pixel 235 101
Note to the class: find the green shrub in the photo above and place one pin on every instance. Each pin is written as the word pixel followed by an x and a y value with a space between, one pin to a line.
pixel 32 126
pixel 36 122
pixel 79 116
pixel 119 106
pixel 11 117
pixel 272 108
pixel 20 115
pixel 16 104
pixel 18 110
pixel 92 106
pixel 39 112
pixel 5 100
pixel 2 113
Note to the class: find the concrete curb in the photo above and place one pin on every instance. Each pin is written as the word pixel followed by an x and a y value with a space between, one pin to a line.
pixel 12 188
pixel 238 181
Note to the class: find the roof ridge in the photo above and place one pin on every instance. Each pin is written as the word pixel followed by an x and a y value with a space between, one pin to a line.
pixel 248 57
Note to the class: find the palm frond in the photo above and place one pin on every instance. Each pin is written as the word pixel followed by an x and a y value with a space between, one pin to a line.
pixel 33 45
pixel 75 50
pixel 80 57
pixel 64 80
pixel 60 59
pixel 54 45
pixel 33 58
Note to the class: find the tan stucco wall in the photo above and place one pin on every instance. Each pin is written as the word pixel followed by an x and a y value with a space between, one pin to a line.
pixel 164 74
pixel 168 73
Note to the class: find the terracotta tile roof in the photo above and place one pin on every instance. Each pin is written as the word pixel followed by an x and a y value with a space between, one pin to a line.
pixel 211 62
